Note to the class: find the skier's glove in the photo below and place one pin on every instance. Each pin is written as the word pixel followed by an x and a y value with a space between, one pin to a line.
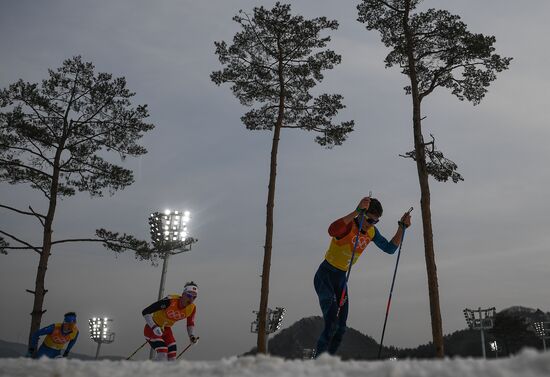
pixel 193 338
pixel 157 331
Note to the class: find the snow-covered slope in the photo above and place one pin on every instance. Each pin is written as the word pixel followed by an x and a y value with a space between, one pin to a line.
pixel 528 364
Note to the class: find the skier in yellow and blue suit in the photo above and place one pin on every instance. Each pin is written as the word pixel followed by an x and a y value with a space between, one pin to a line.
pixel 57 335
pixel 330 278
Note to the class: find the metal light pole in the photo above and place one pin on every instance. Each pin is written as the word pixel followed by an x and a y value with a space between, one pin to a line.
pixel 274 320
pixel 480 319
pixel 99 332
pixel 543 331
pixel 169 236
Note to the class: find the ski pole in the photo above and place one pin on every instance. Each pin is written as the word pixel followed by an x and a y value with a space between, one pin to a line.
pixel 343 296
pixel 140 347
pixel 186 348
pixel 391 289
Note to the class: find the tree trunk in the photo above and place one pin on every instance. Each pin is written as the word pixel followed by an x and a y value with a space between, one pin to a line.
pixel 264 294
pixel 420 155
pixel 39 288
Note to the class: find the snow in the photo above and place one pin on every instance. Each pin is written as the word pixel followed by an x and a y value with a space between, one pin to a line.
pixel 529 363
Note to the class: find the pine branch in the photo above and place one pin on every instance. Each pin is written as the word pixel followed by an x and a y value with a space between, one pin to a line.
pixel 28 245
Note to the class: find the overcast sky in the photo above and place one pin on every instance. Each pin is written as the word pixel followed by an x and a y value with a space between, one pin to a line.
pixel 491 231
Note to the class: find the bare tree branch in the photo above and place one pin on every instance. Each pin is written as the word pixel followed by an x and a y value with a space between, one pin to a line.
pixel 23 212
pixel 37 249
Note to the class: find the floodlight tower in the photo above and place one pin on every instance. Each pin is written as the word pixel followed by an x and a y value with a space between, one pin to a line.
pixel 480 319
pixel 170 237
pixel 308 353
pixel 99 332
pixel 542 329
pixel 274 320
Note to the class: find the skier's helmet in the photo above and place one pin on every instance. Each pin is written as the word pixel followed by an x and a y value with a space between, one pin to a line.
pixel 69 317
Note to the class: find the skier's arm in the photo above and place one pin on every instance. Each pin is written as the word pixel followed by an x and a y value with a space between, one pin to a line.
pixel 43 331
pixel 191 326
pixel 341 227
pixel 382 243
pixel 70 345
pixel 391 247
pixel 148 311
pixel 405 221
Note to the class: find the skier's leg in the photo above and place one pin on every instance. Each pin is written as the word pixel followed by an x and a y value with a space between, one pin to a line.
pixel 161 354
pixel 156 342
pixel 170 342
pixel 327 301
pixel 48 352
pixel 340 329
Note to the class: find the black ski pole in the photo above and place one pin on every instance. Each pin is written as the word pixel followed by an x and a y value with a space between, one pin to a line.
pixel 344 289
pixel 186 348
pixel 140 347
pixel 391 289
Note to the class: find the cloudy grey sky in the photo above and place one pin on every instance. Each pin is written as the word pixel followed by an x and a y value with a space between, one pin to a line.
pixel 491 231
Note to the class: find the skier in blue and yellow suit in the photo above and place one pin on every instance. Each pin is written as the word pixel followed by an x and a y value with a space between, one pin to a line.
pixel 57 335
pixel 330 278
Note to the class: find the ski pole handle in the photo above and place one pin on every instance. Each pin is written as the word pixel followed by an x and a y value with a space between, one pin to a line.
pixel 186 348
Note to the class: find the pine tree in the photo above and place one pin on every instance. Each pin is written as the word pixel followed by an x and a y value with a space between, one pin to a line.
pixel 272 66
pixel 55 137
pixel 434 49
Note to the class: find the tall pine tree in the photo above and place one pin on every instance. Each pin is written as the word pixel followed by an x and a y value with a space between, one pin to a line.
pixel 272 66
pixel 55 137
pixel 435 50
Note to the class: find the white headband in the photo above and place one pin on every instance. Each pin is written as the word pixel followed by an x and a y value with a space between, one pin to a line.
pixel 191 288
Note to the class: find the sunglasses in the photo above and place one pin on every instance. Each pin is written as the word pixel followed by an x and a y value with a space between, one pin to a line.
pixel 372 221
pixel 69 320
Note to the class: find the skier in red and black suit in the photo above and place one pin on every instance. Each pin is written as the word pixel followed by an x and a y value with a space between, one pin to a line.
pixel 160 317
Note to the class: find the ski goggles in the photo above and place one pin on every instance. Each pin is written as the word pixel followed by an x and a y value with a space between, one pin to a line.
pixel 190 295
pixel 372 221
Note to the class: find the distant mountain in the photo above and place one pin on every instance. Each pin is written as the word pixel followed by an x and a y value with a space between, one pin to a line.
pixel 291 342
pixel 9 349
pixel 529 314
pixel 302 335
pixel 14 350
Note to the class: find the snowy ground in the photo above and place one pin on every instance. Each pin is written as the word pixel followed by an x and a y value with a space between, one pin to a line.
pixel 527 364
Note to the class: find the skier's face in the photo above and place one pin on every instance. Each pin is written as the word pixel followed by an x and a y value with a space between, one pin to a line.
pixel 187 298
pixel 370 220
pixel 68 326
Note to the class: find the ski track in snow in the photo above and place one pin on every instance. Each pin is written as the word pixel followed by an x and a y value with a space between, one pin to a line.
pixel 529 363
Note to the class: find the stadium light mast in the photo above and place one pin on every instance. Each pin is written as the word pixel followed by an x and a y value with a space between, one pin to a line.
pixel 274 320
pixel 99 332
pixel 480 319
pixel 542 329
pixel 170 237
